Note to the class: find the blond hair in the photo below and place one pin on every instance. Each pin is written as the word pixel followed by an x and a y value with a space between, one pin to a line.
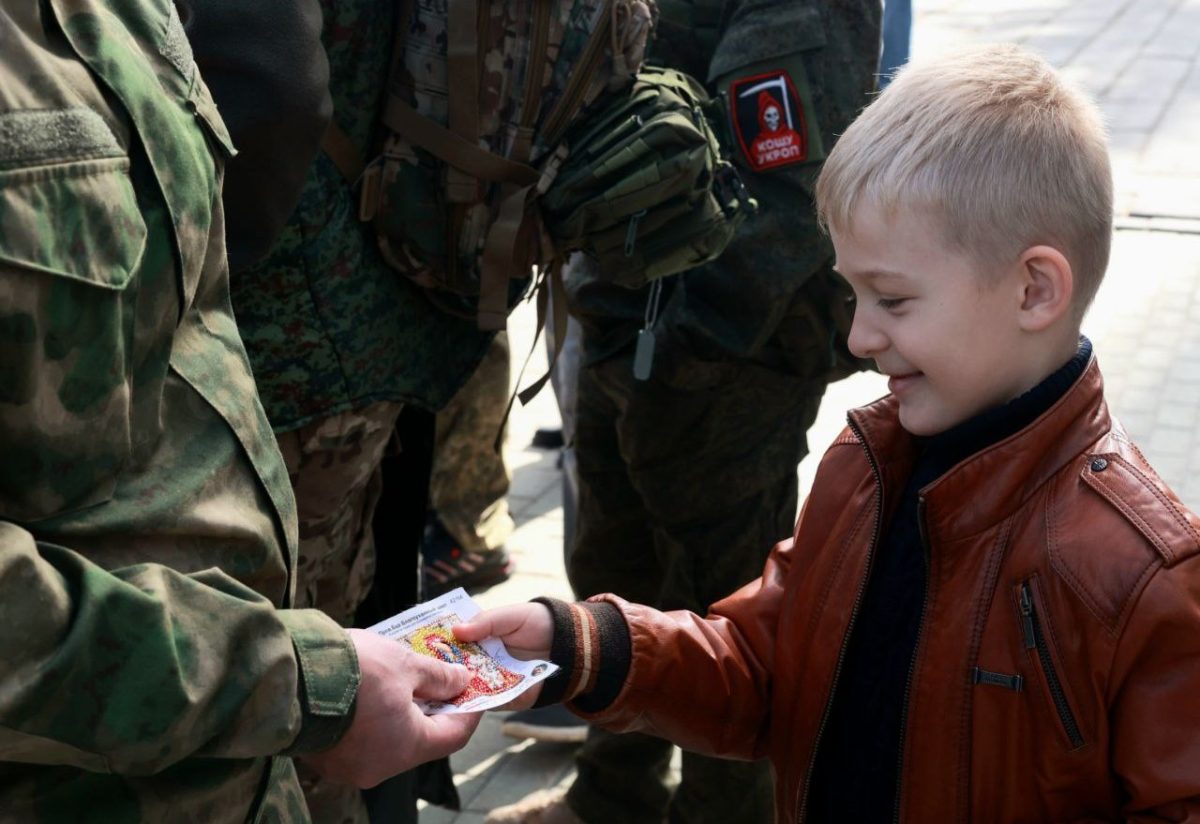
pixel 992 143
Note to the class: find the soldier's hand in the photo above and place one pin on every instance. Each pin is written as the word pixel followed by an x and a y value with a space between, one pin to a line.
pixel 389 733
pixel 526 631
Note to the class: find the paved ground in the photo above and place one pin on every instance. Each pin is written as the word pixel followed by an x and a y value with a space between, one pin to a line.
pixel 1140 59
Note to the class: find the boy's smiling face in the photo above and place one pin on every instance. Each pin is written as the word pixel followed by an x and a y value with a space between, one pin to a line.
pixel 946 332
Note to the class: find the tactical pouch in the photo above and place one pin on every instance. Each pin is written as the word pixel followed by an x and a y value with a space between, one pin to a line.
pixel 644 190
pixel 759 75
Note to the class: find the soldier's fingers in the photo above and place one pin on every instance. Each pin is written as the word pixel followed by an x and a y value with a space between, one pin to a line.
pixel 445 734
pixel 435 679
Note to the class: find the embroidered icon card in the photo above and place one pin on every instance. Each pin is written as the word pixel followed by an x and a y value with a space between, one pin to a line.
pixel 497 677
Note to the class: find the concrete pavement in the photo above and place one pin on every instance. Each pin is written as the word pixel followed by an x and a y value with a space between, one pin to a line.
pixel 1140 59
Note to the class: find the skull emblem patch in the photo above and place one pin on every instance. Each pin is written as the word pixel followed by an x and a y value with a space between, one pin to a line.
pixel 768 120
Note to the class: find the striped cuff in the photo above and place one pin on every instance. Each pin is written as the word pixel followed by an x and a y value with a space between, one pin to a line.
pixel 591 645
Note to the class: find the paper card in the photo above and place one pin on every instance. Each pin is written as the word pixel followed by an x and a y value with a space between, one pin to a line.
pixel 497 677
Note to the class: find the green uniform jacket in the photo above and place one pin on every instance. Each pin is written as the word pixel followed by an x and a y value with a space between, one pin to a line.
pixel 328 325
pixel 147 528
pixel 771 297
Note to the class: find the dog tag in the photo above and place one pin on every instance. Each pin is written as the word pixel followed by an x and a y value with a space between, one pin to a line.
pixel 643 355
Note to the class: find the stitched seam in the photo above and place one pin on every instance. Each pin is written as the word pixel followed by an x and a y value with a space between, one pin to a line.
pixel 1065 572
pixel 1165 501
pixel 1135 593
pixel 987 597
pixel 1111 496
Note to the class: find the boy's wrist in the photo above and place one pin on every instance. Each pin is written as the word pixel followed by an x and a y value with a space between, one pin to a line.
pixel 591 644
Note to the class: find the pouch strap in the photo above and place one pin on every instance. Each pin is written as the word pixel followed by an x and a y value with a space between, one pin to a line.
pixel 506 253
pixel 446 146
pixel 342 151
pixel 462 69
pixel 549 291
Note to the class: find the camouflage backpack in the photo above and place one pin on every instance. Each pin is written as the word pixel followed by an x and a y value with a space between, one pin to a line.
pixel 480 97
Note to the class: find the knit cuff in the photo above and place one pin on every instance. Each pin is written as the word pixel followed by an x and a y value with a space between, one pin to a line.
pixel 591 645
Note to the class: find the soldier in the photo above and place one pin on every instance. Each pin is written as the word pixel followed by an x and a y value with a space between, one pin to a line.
pixel 154 665
pixel 687 478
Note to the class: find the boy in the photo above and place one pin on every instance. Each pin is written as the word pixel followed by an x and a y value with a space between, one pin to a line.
pixel 991 606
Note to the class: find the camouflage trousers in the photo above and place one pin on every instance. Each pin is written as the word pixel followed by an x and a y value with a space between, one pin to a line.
pixel 469 485
pixel 333 464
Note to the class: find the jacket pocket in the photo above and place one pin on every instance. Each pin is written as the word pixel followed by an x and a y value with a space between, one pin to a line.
pixel 71 240
pixel 1037 637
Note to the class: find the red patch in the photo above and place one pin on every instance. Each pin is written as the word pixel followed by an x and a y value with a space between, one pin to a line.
pixel 768 120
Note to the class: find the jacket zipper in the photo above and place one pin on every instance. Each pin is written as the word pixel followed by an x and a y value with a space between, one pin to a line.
pixel 1035 639
pixel 581 76
pixel 912 664
pixel 802 800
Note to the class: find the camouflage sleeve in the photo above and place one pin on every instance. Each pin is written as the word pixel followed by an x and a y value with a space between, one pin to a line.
pixel 131 670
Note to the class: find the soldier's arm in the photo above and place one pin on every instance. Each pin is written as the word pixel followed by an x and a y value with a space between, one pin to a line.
pixel 130 670
pixel 775 280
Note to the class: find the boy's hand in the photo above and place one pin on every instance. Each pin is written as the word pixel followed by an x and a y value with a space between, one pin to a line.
pixel 526 630
pixel 389 734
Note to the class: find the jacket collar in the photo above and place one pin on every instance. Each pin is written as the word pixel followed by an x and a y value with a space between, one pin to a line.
pixel 991 484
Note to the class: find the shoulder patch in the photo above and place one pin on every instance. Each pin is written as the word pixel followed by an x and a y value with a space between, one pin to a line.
pixel 768 120
pixel 1147 503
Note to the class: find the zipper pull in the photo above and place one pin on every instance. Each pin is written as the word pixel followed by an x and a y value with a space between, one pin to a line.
pixel 631 232
pixel 1027 617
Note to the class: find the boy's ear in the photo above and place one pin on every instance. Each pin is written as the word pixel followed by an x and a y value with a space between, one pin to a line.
pixel 1048 286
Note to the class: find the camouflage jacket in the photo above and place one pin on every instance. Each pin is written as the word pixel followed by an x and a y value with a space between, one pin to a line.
pixel 769 297
pixel 328 325
pixel 149 667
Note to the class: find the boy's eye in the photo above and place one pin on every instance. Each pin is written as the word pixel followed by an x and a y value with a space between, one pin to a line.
pixel 889 303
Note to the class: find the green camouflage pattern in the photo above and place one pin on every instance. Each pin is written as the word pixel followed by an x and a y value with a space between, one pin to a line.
pixel 772 298
pixel 334 467
pixel 148 655
pixel 329 327
pixel 468 487
pixel 438 240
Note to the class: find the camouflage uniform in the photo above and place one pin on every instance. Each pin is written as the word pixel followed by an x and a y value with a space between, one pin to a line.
pixel 687 479
pixel 469 486
pixel 152 667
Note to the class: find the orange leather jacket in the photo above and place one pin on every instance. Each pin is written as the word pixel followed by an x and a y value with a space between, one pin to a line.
pixel 1057 672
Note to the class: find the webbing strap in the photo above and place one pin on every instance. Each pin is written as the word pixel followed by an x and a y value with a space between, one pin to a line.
pixel 445 145
pixel 549 291
pixel 342 151
pixel 462 69
pixel 500 260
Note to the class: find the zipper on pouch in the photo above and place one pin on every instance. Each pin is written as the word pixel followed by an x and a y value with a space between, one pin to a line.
pixel 1035 639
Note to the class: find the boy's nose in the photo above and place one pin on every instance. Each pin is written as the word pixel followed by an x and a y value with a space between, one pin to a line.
pixel 865 340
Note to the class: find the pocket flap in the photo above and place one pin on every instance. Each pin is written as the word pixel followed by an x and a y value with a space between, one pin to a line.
pixel 78 220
